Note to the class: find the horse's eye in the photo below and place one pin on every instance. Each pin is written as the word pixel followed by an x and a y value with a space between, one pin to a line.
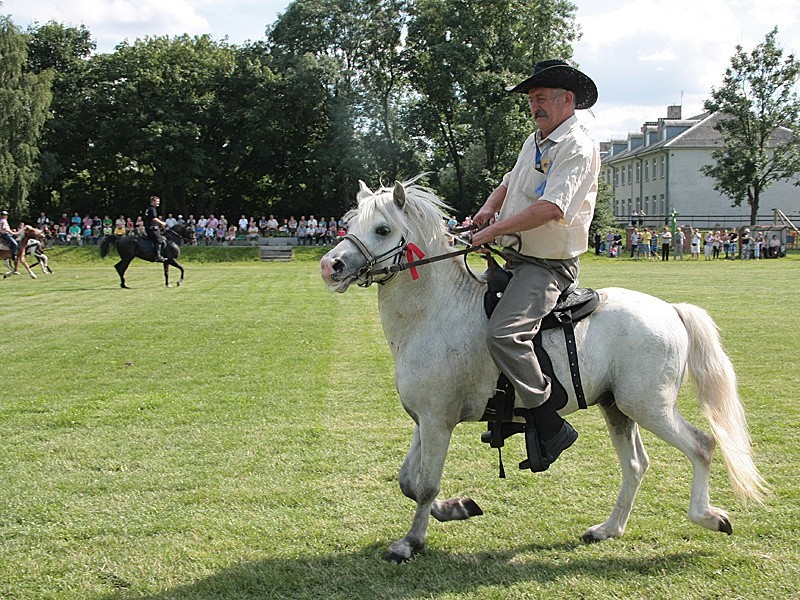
pixel 382 230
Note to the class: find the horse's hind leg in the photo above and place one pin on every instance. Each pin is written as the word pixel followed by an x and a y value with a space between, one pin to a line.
pixel 698 447
pixel 633 460
pixel 121 267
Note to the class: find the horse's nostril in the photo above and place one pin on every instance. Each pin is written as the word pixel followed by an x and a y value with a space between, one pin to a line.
pixel 337 265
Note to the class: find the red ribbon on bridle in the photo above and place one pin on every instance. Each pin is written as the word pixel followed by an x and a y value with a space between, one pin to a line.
pixel 413 250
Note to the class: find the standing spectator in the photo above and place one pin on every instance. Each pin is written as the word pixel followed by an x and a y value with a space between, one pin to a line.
pixel 726 242
pixel 716 245
pixel 610 242
pixel 170 221
pixel 120 221
pixel 634 218
pixel 42 221
pixel 696 237
pixel 76 220
pixel 759 242
pixel 746 240
pixel 709 245
pixel 64 220
pixel 666 242
pixel 733 239
pixel 224 222
pixel 598 239
pixel 679 240
pixel 635 238
pixel 654 245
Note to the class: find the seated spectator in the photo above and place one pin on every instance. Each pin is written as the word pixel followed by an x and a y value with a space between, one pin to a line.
pixel 62 234
pixel 209 235
pixel 230 235
pixel 119 229
pixel 74 233
pixel 301 233
pixel 243 224
pixel 221 231
pixel 272 225
pixel 252 232
pixel 292 226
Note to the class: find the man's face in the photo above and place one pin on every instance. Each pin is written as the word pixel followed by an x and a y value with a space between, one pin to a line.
pixel 550 107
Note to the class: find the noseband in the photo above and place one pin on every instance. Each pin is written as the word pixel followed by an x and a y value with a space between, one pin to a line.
pixel 367 272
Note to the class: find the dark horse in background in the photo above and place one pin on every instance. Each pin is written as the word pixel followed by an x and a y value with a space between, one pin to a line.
pixel 134 246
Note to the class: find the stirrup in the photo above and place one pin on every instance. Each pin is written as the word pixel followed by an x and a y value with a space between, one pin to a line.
pixel 542 454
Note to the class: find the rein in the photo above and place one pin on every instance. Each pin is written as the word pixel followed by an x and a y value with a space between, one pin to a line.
pixel 410 250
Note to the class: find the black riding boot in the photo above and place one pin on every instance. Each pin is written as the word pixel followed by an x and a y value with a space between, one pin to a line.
pixel 547 435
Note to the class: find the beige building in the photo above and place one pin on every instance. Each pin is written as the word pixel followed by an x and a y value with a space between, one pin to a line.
pixel 657 171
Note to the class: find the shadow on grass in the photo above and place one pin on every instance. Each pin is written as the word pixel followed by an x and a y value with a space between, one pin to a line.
pixel 364 574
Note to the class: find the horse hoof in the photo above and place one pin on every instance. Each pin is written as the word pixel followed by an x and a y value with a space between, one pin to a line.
pixel 725 526
pixel 180 283
pixel 395 558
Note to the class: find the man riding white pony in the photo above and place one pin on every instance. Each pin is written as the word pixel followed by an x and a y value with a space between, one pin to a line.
pixel 541 214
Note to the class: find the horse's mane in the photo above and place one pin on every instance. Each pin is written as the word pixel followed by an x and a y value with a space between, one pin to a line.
pixel 424 212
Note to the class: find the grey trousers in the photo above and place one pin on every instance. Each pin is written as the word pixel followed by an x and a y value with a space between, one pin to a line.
pixel 531 294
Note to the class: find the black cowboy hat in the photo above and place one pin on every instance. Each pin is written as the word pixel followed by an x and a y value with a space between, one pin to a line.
pixel 559 74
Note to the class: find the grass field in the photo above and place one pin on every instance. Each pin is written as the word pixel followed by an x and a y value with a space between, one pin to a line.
pixel 239 437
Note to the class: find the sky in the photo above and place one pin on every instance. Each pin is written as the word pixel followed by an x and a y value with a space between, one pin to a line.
pixel 644 55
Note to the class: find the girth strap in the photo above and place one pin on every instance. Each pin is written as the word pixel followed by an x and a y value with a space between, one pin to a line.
pixel 565 318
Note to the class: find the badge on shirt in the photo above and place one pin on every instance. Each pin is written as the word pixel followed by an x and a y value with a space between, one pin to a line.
pixel 545 165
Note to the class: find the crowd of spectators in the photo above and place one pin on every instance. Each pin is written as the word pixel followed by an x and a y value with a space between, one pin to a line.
pixel 719 244
pixel 77 230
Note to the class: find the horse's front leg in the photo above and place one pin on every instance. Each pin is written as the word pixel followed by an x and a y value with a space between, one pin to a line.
pixel 420 478
pixel 178 266
pixel 24 262
pixel 166 273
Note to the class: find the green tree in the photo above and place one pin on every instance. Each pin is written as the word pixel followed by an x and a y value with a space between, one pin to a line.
pixel 460 55
pixel 759 122
pixel 64 51
pixel 603 218
pixel 24 101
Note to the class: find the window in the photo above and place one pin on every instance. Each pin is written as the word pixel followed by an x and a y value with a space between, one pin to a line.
pixel 630 173
pixel 647 204
pixel 623 175
pixel 638 172
pixel 663 165
pixel 663 205
pixel 647 170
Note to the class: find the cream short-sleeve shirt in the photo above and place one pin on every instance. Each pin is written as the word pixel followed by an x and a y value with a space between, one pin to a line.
pixel 566 176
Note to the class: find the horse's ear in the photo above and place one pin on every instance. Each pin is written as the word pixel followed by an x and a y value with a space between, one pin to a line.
pixel 363 191
pixel 399 194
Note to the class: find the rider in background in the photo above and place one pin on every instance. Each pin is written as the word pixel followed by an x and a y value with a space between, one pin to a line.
pixel 541 214
pixel 8 235
pixel 151 226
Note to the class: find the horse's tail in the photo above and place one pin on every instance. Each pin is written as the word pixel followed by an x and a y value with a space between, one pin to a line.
pixel 105 245
pixel 715 378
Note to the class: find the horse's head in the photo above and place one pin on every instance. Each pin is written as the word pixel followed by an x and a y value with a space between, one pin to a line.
pixel 378 231
pixel 186 232
pixel 31 233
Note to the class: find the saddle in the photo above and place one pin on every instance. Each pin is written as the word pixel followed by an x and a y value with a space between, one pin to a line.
pixel 574 305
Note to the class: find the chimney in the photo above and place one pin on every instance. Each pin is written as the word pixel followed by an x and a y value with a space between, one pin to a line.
pixel 674 112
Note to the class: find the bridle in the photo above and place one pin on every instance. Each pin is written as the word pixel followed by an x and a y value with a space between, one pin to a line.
pixel 368 272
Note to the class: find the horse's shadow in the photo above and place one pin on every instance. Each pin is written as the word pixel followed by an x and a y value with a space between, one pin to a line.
pixel 363 574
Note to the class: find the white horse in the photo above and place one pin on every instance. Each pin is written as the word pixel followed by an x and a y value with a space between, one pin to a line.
pixel 435 326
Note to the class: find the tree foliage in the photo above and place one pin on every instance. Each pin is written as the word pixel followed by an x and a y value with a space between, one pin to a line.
pixel 759 122
pixel 338 90
pixel 24 101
